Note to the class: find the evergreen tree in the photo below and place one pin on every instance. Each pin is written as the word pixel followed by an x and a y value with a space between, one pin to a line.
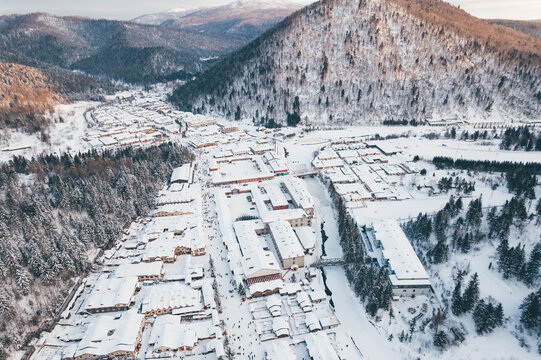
pixel 531 269
pixel 5 305
pixel 441 340
pixel 530 316
pixel 459 205
pixel 487 316
pixel 439 253
pixel 502 251
pixel 22 279
pixel 465 243
pixel 538 211
pixel 456 299
pixel 471 294
pixel 241 290
pixel 474 213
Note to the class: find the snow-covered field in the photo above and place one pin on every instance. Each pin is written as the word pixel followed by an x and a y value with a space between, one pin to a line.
pixel 459 149
pixel 66 136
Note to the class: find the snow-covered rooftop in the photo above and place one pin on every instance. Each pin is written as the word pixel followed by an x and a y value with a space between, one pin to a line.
pixel 171 295
pixel 170 333
pixel 255 260
pixel 306 236
pixel 182 174
pixel 141 269
pixel 396 248
pixel 319 347
pixel 276 196
pixel 286 241
pixel 111 292
pixel 107 334
pixel 299 192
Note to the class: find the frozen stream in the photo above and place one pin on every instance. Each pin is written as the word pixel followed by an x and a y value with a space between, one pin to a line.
pixel 349 310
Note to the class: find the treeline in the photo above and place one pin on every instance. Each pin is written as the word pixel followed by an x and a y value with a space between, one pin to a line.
pixel 56 210
pixel 521 138
pixel 403 122
pixel 458 183
pixel 442 162
pixel 521 178
pixel 369 282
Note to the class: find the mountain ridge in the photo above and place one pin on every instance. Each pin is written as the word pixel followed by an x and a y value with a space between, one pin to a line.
pixel 172 14
pixel 531 27
pixel 241 20
pixel 411 60
pixel 66 41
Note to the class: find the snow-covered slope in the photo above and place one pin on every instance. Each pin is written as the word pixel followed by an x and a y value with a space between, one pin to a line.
pixel 158 18
pixel 238 8
pixel 341 61
pixel 243 20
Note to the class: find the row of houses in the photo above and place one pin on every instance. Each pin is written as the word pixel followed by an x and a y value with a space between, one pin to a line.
pixel 145 286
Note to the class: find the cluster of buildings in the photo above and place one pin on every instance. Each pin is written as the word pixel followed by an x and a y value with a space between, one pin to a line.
pixel 266 220
pixel 119 125
pixel 362 172
pixel 268 230
pixel 152 296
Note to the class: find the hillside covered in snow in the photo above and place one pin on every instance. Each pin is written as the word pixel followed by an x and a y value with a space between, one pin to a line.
pixel 111 49
pixel 243 20
pixel 366 61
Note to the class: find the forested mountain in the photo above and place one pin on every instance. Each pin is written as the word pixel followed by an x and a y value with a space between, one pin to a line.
pixel 532 28
pixel 28 93
pixel 116 49
pixel 55 213
pixel 25 94
pixel 366 61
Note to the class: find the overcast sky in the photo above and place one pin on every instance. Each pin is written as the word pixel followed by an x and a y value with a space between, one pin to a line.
pixel 128 9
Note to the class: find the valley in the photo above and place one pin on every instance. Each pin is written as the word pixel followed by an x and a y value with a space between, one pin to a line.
pixel 268 180
pixel 376 179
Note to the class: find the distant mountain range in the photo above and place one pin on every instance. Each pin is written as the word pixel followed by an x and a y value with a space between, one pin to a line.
pixel 54 50
pixel 532 27
pixel 113 49
pixel 336 60
pixel 243 20
pixel 136 51
pixel 366 61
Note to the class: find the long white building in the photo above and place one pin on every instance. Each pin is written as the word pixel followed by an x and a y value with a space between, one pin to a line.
pixel 386 242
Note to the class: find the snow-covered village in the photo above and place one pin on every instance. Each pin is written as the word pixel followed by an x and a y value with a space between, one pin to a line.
pixel 270 180
pixel 309 243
